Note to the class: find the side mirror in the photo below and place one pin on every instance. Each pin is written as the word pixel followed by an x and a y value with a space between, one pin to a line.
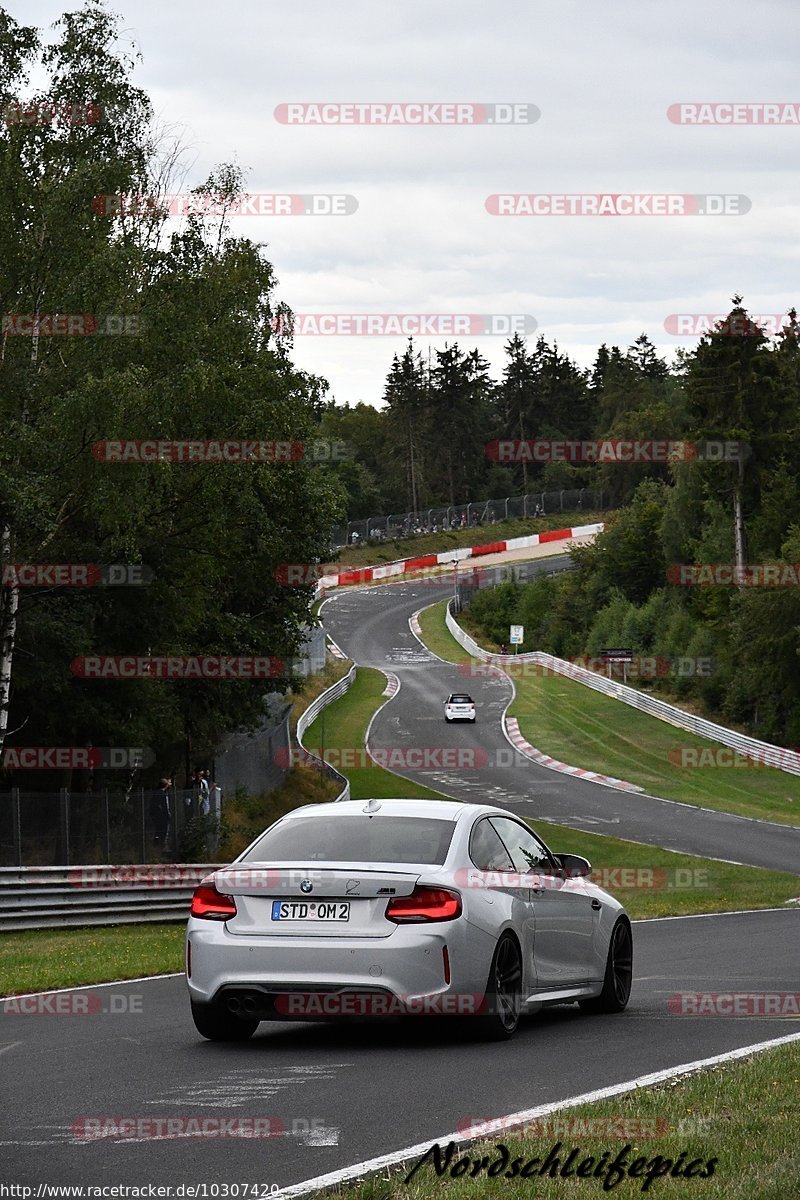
pixel 574 866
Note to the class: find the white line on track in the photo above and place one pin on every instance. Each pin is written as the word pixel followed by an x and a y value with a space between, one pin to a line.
pixel 85 987
pixel 737 912
pixel 396 1157
pixel 732 912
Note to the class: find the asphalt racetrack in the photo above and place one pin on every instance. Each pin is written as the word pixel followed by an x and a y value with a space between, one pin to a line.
pixel 371 627
pixel 335 1095
pixel 339 1094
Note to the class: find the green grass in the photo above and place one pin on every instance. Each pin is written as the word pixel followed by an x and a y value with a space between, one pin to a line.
pixel 652 882
pixel 698 884
pixel 437 637
pixel 745 1114
pixel 584 728
pixel 41 959
pixel 38 959
pixel 338 734
pixel 374 553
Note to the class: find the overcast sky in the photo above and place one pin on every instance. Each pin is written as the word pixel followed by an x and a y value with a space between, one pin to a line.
pixel 421 240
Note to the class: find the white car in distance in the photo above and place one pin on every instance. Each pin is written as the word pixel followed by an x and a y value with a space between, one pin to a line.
pixel 459 707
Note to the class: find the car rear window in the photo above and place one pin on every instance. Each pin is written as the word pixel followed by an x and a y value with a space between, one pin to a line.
pixel 460 700
pixel 356 837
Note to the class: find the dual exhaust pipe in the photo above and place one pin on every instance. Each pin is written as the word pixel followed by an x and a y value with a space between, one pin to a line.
pixel 246 1005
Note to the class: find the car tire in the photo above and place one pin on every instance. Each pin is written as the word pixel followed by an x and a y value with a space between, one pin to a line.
pixel 503 997
pixel 218 1025
pixel 619 973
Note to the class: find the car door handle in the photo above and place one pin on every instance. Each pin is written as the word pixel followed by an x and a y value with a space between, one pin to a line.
pixel 596 904
pixel 537 891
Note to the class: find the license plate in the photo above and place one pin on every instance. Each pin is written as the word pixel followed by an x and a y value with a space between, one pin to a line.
pixel 308 910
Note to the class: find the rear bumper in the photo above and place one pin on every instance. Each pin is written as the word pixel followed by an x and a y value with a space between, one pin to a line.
pixel 405 966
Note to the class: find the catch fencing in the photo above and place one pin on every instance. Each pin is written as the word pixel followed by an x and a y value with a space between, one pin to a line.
pixel 751 747
pixel 134 825
pixel 256 761
pixel 460 516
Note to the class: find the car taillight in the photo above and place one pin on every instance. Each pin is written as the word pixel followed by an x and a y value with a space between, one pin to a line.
pixel 212 905
pixel 425 904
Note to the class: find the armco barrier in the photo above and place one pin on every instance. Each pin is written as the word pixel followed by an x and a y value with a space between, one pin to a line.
pixel 311 713
pixel 64 897
pixel 751 747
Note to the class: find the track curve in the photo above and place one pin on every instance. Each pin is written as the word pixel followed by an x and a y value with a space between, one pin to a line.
pixel 371 627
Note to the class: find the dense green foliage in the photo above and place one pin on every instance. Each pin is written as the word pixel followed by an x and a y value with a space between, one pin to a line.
pixel 205 366
pixel 430 443
pixel 736 385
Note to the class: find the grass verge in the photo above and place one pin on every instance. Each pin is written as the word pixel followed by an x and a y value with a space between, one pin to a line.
pixel 587 729
pixel 744 1115
pixel 437 637
pixel 338 736
pixel 39 959
pixel 649 881
pixel 652 882
pixel 582 727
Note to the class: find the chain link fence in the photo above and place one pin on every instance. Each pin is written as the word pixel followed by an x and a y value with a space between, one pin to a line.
pixel 134 825
pixel 257 761
pixel 138 825
pixel 462 516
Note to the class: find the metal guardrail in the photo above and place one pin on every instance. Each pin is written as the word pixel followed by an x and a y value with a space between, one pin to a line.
pixel 310 714
pixel 764 752
pixel 67 897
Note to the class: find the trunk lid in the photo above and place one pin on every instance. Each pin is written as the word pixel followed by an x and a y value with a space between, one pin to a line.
pixel 337 900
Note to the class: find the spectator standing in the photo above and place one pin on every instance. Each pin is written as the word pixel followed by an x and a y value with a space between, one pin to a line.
pixel 205 794
pixel 161 813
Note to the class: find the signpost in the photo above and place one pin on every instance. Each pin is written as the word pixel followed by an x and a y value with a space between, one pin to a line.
pixel 516 636
pixel 616 655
